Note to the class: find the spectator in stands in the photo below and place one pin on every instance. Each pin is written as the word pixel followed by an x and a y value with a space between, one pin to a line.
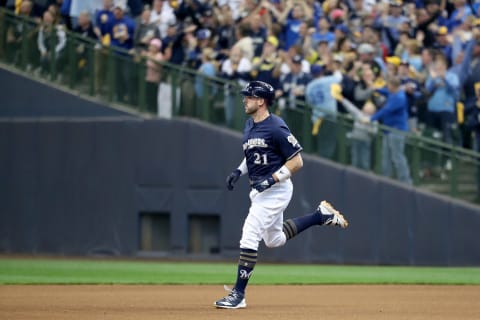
pixel 258 34
pixel 122 31
pixel 207 19
pixel 349 81
pixel 443 89
pixel 413 91
pixel 372 35
pixel 286 58
pixel 237 70
pixel 391 18
pixel 25 8
pixel 85 26
pixel 362 134
pixel 337 14
pixel 103 20
pixel 173 48
pixel 426 22
pixel 196 46
pixel 122 28
pixel 443 44
pixel 40 6
pixel 236 7
pixel 292 17
pixel 244 41
pixel 368 54
pixel 401 48
pixel 83 47
pixel 17 33
pixel 145 31
pixel 208 68
pixel 225 32
pixel 365 87
pixel 293 84
pixel 266 67
pixel 321 50
pixel 341 34
pixel 346 53
pixel 323 33
pixel 304 40
pixel 324 106
pixel 55 11
pixel 358 12
pixel 65 12
pixel 457 17
pixel 412 55
pixel 392 66
pixel 162 15
pixel 191 10
pixel 79 6
pixel 136 7
pixel 51 43
pixel 153 73
pixel 394 114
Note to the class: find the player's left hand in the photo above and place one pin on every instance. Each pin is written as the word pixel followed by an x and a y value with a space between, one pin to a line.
pixel 263 185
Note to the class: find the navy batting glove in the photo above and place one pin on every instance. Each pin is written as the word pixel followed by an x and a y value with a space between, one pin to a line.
pixel 233 178
pixel 264 185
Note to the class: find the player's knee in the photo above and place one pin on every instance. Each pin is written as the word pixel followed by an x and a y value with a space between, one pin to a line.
pixel 249 244
pixel 276 241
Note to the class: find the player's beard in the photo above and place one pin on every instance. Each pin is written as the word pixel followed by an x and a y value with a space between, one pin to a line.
pixel 251 109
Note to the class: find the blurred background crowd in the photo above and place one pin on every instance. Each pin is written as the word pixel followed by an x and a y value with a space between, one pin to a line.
pixel 428 49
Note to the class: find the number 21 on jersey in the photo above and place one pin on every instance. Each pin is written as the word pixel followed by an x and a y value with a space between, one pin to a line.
pixel 260 158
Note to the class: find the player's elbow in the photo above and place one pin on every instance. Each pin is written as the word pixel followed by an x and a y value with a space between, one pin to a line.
pixel 295 164
pixel 299 162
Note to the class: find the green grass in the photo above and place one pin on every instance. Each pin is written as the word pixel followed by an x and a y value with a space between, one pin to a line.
pixel 60 271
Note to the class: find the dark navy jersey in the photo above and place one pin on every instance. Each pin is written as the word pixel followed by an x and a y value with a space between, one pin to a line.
pixel 267 146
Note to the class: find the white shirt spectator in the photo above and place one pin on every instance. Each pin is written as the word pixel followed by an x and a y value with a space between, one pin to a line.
pixel 246 46
pixel 285 68
pixel 163 18
pixel 243 66
pixel 235 6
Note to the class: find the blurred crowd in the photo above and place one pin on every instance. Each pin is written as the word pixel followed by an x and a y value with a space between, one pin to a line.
pixel 426 49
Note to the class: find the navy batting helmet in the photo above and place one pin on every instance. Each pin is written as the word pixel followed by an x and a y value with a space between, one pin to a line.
pixel 259 89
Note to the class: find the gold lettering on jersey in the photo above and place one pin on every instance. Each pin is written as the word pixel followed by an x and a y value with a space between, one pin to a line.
pixel 255 143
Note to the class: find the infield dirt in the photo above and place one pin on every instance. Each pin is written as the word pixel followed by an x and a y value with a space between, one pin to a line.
pixel 264 302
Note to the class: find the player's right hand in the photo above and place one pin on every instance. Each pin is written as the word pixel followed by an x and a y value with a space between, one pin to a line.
pixel 233 178
pixel 261 186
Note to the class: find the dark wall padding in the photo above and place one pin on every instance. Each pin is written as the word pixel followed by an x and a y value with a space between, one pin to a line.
pixel 26 98
pixel 77 187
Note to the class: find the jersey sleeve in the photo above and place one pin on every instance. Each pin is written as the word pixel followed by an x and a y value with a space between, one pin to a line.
pixel 286 142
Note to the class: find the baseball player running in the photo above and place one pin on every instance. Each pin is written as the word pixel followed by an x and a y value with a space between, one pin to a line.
pixel 272 155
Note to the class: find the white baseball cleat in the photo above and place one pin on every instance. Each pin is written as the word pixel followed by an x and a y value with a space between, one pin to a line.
pixel 334 218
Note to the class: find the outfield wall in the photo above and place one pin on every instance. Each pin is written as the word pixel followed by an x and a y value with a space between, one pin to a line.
pixel 83 187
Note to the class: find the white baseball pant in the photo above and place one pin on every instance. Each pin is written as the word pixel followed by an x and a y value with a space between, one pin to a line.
pixel 265 216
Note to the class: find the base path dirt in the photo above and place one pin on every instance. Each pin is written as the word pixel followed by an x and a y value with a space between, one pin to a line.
pixel 264 302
